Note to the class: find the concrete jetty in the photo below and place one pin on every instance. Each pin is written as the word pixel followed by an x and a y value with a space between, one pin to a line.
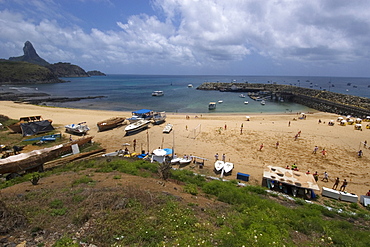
pixel 321 100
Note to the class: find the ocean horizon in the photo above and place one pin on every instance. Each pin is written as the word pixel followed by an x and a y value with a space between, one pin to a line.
pixel 133 92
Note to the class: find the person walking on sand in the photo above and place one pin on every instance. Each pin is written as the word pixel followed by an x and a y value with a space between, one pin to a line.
pixel 296 137
pixel 344 185
pixel 326 177
pixel 289 124
pixel 277 145
pixel 261 147
pixel 323 152
pixel 336 183
pixel 134 144
pixel 223 157
pixel 315 149
pixel 316 176
pixel 360 153
pixel 216 156
pixel 225 126
pixel 299 133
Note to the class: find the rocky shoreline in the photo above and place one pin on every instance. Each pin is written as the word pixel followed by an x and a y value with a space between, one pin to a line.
pixel 37 98
pixel 317 99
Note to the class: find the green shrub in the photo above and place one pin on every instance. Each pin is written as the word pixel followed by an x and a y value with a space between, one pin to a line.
pixel 191 189
pixel 83 180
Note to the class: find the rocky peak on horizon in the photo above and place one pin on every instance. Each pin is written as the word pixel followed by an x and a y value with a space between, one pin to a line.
pixel 30 55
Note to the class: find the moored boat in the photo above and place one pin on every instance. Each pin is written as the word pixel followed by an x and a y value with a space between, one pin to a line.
pixel 157 93
pixel 263 102
pixel 110 123
pixel 137 126
pixel 212 105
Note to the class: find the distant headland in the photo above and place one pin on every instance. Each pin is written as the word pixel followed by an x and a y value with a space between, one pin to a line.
pixel 32 69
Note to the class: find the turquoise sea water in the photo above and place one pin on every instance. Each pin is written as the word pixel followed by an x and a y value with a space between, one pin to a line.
pixel 133 92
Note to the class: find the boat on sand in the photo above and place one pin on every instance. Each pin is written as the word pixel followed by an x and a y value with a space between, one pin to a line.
pixel 78 129
pixel 110 123
pixel 137 126
pixel 167 128
pixel 219 165
pixel 228 167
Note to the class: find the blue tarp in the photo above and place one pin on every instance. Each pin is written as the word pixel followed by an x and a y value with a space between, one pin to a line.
pixel 142 111
pixel 168 151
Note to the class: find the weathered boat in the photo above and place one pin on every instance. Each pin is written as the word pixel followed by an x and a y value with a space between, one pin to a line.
pixel 110 123
pixel 34 160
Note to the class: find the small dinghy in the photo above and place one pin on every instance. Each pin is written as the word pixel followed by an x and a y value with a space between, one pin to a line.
pixel 219 165
pixel 228 167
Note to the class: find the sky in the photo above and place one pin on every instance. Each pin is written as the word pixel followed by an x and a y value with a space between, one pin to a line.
pixel 194 37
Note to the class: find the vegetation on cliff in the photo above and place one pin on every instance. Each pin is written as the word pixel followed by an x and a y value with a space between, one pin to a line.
pixel 96 202
pixel 67 70
pixel 23 72
pixel 95 73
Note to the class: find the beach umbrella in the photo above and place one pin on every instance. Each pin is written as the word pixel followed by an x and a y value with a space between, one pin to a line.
pixel 159 152
pixel 247 116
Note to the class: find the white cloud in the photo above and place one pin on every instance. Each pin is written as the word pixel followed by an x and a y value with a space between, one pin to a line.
pixel 193 33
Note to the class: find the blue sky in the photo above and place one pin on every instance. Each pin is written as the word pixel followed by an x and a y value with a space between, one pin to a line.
pixel 236 37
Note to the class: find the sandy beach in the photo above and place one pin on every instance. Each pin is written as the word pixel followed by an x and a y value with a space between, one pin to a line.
pixel 237 138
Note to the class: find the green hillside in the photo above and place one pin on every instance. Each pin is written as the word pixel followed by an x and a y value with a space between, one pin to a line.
pixel 23 72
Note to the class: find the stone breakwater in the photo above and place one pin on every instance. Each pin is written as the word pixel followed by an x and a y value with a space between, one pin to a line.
pixel 320 100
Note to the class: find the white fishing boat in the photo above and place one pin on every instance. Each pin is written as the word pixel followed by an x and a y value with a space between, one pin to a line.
pixel 137 126
pixel 185 161
pixel 159 117
pixel 220 101
pixel 140 115
pixel 228 167
pixel 242 96
pixel 246 102
pixel 219 165
pixel 157 93
pixel 190 85
pixel 167 128
pixel 212 105
pixel 79 129
pixel 263 102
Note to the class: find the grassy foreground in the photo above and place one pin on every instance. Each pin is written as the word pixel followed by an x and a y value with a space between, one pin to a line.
pixel 80 212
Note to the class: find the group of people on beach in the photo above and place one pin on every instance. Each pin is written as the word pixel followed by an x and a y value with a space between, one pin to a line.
pixel 223 157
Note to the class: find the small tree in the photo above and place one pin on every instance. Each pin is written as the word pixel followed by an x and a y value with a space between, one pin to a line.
pixel 164 170
pixel 35 177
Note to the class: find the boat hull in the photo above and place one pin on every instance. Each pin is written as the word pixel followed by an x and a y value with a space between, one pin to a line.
pixel 137 126
pixel 110 123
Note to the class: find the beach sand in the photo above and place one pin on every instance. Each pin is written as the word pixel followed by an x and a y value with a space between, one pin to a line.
pixel 341 142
